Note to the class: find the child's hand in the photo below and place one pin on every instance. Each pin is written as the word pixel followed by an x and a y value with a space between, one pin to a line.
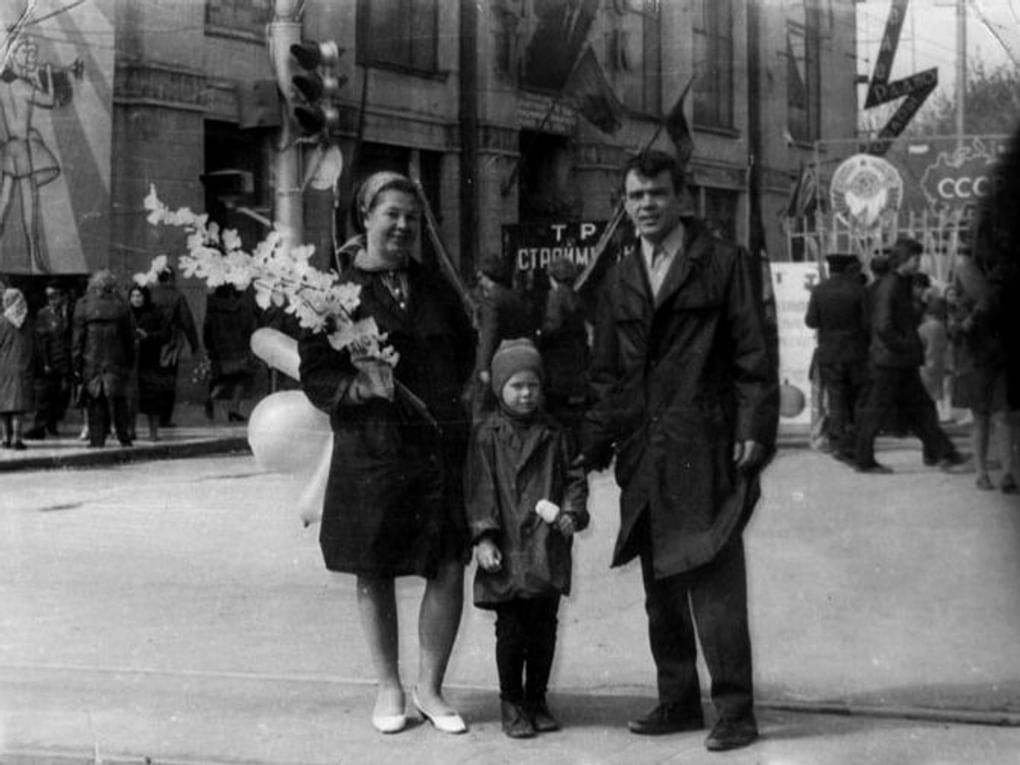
pixel 489 558
pixel 565 524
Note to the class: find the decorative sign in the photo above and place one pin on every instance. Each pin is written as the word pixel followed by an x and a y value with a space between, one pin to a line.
pixel 536 112
pixel 959 179
pixel 792 284
pixel 533 246
pixel 916 88
pixel 866 190
pixel 56 88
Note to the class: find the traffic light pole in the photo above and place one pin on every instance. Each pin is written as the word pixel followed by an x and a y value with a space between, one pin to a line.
pixel 284 31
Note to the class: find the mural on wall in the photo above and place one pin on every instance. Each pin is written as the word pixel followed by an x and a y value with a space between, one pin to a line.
pixel 56 84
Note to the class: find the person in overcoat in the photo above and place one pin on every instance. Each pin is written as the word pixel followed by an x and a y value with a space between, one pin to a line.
pixel 226 332
pixel 838 309
pixel 103 355
pixel 394 502
pixel 525 499
pixel 53 345
pixel 17 367
pixel 563 341
pixel 152 333
pixel 686 395
pixel 178 317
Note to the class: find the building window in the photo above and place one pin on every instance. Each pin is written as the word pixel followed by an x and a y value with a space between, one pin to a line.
pixel 634 53
pixel 398 33
pixel 803 78
pixel 713 56
pixel 250 16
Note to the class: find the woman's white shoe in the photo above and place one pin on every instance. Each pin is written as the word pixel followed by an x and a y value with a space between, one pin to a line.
pixel 385 720
pixel 445 723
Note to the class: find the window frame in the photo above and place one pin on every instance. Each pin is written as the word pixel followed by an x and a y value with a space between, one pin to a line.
pixel 410 11
pixel 714 88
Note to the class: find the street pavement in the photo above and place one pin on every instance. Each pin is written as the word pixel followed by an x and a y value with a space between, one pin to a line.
pixel 176 611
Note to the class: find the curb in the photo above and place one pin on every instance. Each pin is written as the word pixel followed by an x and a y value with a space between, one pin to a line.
pixel 120 454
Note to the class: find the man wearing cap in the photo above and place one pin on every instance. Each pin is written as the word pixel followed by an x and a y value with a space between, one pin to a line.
pixel 53 341
pixel 895 356
pixel 686 397
pixel 838 310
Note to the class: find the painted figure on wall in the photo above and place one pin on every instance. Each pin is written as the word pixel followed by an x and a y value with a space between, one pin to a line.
pixel 26 162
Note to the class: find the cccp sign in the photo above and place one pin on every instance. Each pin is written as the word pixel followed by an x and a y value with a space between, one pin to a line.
pixel 958 180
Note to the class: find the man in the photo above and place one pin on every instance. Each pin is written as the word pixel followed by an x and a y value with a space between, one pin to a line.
pixel 838 310
pixel 502 316
pixel 896 356
pixel 685 392
pixel 53 342
pixel 178 317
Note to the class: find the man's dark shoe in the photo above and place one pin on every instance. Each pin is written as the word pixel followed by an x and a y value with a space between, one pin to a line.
pixel 35 434
pixel 732 734
pixel 541 718
pixel 874 467
pixel 953 462
pixel 667 718
pixel 516 721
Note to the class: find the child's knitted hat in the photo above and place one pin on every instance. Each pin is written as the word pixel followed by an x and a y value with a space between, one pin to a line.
pixel 511 357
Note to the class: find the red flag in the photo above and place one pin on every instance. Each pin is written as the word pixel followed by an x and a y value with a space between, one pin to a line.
pixel 678 130
pixel 595 98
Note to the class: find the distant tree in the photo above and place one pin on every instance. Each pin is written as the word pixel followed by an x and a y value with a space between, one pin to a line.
pixel 992 103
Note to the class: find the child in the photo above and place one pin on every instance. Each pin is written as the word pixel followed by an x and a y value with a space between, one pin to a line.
pixel 524 504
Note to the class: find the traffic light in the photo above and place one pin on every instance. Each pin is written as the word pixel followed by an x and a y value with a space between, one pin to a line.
pixel 318 83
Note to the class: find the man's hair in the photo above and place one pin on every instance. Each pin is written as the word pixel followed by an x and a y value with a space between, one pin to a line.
pixel 651 163
pixel 904 249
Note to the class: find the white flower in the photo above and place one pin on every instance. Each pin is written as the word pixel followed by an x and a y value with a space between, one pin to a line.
pixel 280 275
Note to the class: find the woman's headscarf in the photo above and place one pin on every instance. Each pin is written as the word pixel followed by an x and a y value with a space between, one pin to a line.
pixel 15 307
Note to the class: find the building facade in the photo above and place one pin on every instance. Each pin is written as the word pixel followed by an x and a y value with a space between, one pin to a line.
pixel 467 96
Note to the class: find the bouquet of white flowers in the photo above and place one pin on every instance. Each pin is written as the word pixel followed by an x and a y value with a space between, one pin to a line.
pixel 280 275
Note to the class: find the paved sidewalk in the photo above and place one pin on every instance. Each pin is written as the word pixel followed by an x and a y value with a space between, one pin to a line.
pixel 194 435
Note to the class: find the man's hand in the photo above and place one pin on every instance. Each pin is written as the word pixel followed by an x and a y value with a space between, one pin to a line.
pixel 747 455
pixel 489 558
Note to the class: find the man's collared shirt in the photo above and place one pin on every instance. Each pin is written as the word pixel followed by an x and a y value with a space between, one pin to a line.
pixel 659 258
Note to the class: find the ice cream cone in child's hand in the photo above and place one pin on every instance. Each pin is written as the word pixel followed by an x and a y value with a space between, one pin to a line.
pixel 549 511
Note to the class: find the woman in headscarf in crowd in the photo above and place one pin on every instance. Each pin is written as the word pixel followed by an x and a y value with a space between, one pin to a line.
pixel 17 381
pixel 152 333
pixel 394 502
pixel 103 354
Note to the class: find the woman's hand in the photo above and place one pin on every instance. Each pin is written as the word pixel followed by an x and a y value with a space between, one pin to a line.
pixel 565 524
pixel 489 558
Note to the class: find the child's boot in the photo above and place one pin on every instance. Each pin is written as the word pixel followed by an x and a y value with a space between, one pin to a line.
pixel 541 718
pixel 516 721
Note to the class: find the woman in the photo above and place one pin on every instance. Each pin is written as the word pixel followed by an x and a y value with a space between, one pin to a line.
pixel 17 391
pixel 151 333
pixel 103 355
pixel 229 324
pixel 394 498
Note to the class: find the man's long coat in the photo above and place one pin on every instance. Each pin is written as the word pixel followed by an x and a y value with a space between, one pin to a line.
pixel 678 380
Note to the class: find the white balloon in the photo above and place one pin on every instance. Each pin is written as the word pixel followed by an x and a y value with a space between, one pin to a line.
pixel 278 351
pixel 287 434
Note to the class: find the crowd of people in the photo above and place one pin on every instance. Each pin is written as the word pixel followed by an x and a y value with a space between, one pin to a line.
pixel 483 441
pixel 114 354
pixel 900 354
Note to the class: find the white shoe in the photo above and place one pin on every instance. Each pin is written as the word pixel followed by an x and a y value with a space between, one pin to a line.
pixel 388 722
pixel 448 723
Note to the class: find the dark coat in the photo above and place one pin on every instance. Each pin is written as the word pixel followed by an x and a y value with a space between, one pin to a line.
pixel 226 334
pixel 152 334
pixel 502 316
pixel 510 467
pixel 677 381
pixel 53 340
pixel 564 344
pixel 838 308
pixel 103 343
pixel 394 499
pixel 17 367
pixel 174 307
pixel 894 339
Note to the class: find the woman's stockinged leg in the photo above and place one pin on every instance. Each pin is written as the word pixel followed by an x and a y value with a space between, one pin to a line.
pixel 377 606
pixel 438 622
